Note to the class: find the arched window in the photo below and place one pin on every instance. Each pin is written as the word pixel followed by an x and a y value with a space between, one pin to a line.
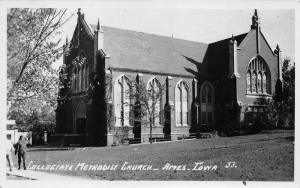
pixel 154 89
pixel 207 104
pixel 181 103
pixel 122 101
pixel 257 72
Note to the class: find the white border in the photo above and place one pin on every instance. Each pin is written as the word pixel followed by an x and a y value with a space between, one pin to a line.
pixel 212 4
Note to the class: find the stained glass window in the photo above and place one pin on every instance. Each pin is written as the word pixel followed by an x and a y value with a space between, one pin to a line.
pixel 257 76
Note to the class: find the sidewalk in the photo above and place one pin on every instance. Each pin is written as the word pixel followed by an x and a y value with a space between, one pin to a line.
pixel 38 175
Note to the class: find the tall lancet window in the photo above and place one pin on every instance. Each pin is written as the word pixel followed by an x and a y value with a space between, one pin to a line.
pixel 264 83
pixel 259 84
pixel 83 78
pixel 207 104
pixel 76 78
pixel 154 89
pixel 258 72
pixel 184 104
pixel 87 76
pixel 254 82
pixel 181 103
pixel 79 78
pixel 248 81
pixel 122 101
pixel 178 95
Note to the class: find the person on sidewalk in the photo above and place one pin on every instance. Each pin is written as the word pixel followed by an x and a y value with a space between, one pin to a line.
pixel 21 148
pixel 9 149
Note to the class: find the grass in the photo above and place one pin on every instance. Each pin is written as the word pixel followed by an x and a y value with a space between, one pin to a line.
pixel 262 157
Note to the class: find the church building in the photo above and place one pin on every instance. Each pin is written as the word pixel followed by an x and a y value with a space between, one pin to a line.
pixel 207 87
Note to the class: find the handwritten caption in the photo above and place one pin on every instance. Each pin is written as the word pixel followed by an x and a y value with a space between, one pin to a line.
pixel 126 166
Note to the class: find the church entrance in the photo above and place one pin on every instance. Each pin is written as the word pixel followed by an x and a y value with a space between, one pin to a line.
pixel 80 119
pixel 81 125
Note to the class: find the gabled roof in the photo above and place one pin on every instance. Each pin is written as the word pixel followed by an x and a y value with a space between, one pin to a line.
pixel 225 42
pixel 218 53
pixel 149 52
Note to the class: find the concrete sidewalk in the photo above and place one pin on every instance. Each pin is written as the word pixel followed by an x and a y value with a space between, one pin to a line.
pixel 38 175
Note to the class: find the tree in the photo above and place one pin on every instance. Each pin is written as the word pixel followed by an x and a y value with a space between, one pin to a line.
pixel 288 94
pixel 146 103
pixel 280 113
pixel 33 45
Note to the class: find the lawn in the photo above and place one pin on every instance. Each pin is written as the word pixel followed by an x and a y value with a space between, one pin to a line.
pixel 267 156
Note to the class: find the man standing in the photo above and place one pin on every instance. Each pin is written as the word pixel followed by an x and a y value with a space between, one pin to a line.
pixel 21 148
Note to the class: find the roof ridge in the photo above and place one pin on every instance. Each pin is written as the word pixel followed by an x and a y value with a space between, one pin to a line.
pixel 157 35
pixel 223 40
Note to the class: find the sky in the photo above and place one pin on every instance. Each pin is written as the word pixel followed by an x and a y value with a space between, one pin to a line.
pixel 201 25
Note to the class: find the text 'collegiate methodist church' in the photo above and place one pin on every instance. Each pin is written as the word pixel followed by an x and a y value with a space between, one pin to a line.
pixel 208 87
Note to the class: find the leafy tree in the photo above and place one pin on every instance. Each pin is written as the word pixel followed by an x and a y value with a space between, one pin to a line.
pixel 33 44
pixel 145 100
pixel 280 113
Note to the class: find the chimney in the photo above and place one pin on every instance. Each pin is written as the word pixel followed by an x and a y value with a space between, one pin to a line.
pixel 233 65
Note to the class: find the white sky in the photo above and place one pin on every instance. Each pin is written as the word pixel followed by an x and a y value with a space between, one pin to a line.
pixel 202 25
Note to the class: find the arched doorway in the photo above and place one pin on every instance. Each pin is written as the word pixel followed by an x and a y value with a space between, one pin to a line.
pixel 80 118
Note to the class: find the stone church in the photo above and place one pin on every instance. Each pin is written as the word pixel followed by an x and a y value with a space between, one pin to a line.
pixel 207 87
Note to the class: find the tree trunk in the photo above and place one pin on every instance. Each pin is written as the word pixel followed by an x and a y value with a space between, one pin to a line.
pixel 151 130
